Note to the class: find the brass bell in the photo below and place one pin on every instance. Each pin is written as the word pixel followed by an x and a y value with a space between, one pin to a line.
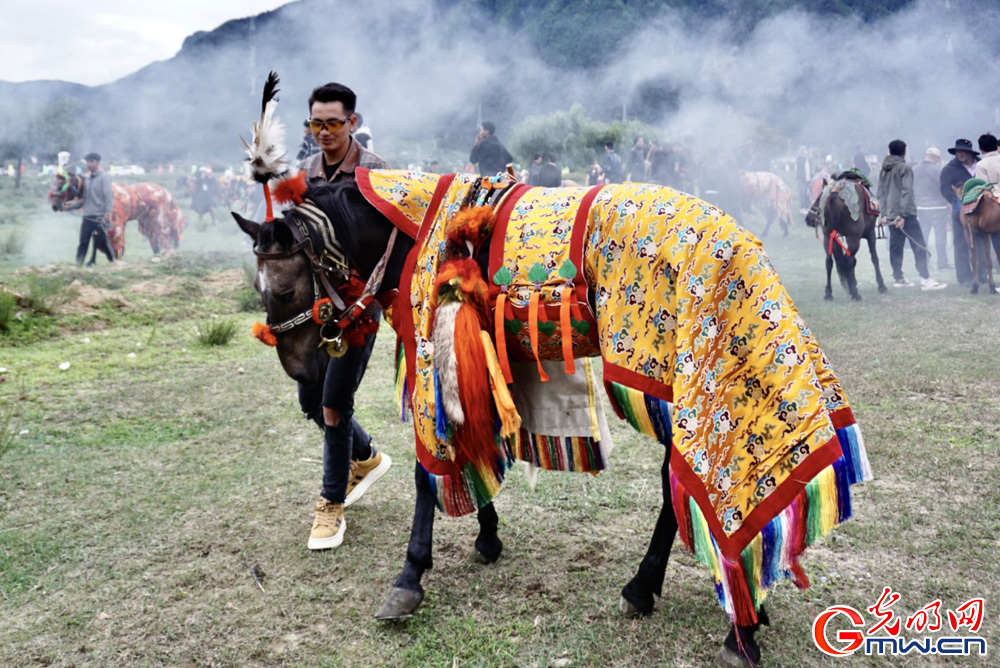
pixel 335 347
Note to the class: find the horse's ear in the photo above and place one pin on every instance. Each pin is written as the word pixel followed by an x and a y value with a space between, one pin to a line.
pixel 251 228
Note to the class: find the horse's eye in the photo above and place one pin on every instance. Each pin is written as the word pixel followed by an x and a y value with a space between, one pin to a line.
pixel 286 297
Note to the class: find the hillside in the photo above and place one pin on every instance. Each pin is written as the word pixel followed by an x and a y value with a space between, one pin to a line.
pixel 425 70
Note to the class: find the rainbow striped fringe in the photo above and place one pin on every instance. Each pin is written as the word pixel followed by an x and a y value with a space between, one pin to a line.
pixel 773 554
pixel 463 493
pixel 560 453
pixel 402 394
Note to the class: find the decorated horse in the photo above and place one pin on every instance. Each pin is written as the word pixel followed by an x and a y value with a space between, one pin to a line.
pixel 847 212
pixel 506 293
pixel 980 215
pixel 771 195
pixel 161 220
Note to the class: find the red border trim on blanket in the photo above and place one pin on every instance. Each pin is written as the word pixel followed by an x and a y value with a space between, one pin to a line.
pixel 387 209
pixel 767 510
pixel 576 247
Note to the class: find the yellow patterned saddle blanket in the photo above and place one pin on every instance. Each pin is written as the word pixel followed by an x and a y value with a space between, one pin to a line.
pixel 701 347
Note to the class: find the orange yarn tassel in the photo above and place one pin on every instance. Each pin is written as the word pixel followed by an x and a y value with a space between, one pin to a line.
pixel 291 190
pixel 263 333
pixel 533 333
pixel 500 335
pixel 475 438
pixel 566 330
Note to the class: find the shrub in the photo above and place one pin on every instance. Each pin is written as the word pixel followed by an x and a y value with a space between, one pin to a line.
pixel 45 293
pixel 8 304
pixel 12 243
pixel 217 332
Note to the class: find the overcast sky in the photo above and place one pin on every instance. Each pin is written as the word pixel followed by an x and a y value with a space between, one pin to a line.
pixel 97 41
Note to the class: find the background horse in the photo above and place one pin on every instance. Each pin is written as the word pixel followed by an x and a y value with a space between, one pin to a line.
pixel 982 225
pixel 160 219
pixel 843 212
pixel 289 279
pixel 771 195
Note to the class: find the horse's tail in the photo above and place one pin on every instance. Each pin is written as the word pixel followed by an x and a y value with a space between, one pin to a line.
pixel 843 263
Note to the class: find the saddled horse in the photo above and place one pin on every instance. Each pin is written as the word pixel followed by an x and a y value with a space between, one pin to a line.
pixel 981 223
pixel 160 219
pixel 846 212
pixel 771 195
pixel 669 291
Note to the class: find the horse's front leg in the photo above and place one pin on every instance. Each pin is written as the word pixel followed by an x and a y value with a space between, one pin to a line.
pixel 829 270
pixel 407 594
pixel 870 236
pixel 637 595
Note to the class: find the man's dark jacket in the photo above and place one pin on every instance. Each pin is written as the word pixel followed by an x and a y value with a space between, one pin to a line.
pixel 953 174
pixel 490 155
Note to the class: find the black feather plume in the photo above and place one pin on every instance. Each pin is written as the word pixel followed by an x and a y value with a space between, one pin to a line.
pixel 270 90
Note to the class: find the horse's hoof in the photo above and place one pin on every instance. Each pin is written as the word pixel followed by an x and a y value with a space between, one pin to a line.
pixel 402 603
pixel 855 298
pixel 975 290
pixel 487 551
pixel 828 298
pixel 730 659
pixel 628 610
pixel 882 289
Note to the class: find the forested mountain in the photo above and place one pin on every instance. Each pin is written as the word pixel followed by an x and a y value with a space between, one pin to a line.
pixel 427 70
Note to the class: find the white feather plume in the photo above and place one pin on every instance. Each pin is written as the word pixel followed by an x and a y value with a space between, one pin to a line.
pixel 267 157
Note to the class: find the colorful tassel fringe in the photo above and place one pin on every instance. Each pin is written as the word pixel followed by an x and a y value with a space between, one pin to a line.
pixel 555 453
pixel 773 554
pixel 464 493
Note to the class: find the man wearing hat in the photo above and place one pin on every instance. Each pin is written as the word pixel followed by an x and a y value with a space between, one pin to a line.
pixel 98 202
pixel 959 170
pixel 932 210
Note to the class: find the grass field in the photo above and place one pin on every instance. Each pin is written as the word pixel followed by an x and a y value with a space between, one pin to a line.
pixel 140 486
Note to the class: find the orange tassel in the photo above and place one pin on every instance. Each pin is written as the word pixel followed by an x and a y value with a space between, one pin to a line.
pixel 566 330
pixel 475 438
pixel 269 210
pixel 472 224
pixel 263 333
pixel 500 335
pixel 533 333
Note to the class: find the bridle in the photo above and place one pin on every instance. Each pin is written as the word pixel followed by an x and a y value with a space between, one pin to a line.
pixel 329 306
pixel 72 188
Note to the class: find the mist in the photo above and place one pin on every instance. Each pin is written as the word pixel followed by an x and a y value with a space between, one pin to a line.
pixel 425 73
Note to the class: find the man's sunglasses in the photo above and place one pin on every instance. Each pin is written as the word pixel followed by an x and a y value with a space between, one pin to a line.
pixel 331 125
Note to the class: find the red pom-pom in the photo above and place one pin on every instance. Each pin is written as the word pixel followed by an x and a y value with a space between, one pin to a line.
pixel 291 190
pixel 264 334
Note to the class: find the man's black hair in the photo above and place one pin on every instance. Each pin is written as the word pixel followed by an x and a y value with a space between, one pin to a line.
pixel 897 147
pixel 92 156
pixel 550 157
pixel 609 144
pixel 490 127
pixel 987 143
pixel 334 92
pixel 635 140
pixel 536 156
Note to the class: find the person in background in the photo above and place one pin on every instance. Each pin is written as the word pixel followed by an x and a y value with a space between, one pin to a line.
pixel 635 166
pixel 899 210
pixel 549 174
pixel 661 167
pixel 350 461
pixel 203 197
pixel 97 204
pixel 612 164
pixel 488 153
pixel 803 175
pixel 932 210
pixel 988 169
pixel 594 175
pixel 363 134
pixel 953 175
pixel 533 168
pixel 308 145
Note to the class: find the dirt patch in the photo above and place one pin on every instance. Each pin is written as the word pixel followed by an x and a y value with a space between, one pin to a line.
pixel 158 287
pixel 224 281
pixel 88 298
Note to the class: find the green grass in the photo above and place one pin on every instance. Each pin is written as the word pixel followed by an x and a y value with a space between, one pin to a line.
pixel 142 484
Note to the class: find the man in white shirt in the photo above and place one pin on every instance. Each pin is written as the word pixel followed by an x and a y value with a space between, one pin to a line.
pixel 988 167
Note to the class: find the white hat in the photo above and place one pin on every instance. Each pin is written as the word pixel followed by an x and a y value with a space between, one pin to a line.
pixel 933 151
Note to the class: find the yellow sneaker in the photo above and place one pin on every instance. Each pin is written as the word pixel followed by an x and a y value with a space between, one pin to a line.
pixel 363 474
pixel 328 525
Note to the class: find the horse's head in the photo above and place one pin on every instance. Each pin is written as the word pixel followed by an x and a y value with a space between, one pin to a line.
pixel 297 269
pixel 284 280
pixel 65 189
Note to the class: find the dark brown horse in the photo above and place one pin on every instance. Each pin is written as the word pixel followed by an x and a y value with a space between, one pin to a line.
pixel 982 225
pixel 290 277
pixel 843 232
